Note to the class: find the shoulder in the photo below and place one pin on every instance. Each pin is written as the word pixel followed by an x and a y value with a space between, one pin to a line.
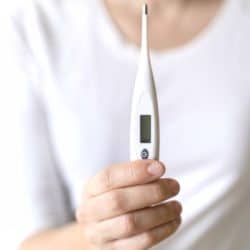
pixel 43 24
pixel 41 33
pixel 45 8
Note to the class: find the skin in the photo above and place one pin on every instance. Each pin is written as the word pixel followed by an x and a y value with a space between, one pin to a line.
pixel 125 206
pixel 172 23
pixel 117 211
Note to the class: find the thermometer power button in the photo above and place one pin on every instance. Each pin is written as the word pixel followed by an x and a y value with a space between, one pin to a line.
pixel 144 154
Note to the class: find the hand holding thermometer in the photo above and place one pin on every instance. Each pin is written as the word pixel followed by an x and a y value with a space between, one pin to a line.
pixel 144 130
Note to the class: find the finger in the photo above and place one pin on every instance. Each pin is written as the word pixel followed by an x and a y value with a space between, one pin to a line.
pixel 147 239
pixel 123 175
pixel 121 201
pixel 130 224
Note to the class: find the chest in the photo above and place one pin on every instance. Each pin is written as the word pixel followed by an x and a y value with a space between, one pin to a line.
pixel 204 121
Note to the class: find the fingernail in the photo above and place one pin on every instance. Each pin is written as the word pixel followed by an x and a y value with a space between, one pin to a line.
pixel 178 207
pixel 177 222
pixel 175 187
pixel 156 169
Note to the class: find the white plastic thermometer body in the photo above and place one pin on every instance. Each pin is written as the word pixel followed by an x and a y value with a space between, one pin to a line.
pixel 144 130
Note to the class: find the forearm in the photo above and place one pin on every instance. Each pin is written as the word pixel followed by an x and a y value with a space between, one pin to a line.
pixel 65 238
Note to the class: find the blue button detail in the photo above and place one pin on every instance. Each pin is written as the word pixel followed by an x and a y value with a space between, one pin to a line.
pixel 144 154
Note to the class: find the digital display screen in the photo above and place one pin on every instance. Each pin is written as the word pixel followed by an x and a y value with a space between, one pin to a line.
pixel 145 127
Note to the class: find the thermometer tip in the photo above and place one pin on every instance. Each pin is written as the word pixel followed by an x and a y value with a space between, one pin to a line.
pixel 145 9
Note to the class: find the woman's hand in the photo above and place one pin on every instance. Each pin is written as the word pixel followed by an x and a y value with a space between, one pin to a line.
pixel 119 208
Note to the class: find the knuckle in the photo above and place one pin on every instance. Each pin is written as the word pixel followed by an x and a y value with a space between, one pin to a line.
pixel 106 179
pixel 129 224
pixel 86 192
pixel 159 192
pixel 116 203
pixel 82 213
pixel 132 171
pixel 149 239
pixel 91 235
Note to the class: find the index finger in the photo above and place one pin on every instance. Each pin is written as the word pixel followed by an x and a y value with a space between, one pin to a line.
pixel 124 175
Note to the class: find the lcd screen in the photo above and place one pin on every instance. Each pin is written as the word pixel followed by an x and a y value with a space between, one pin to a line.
pixel 145 127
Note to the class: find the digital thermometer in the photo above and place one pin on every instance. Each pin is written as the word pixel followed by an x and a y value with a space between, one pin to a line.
pixel 144 130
